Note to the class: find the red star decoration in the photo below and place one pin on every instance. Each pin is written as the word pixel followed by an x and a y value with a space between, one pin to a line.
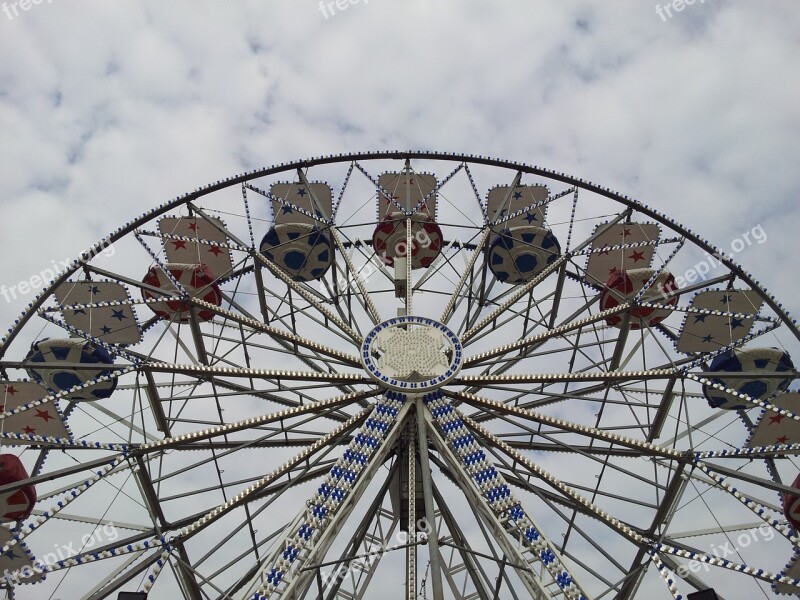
pixel 2 408
pixel 626 232
pixel 604 250
pixel 193 226
pixel 636 256
pixel 179 244
pixel 10 390
pixel 215 250
pixel 782 440
pixel 43 414
pixel 776 419
pixel 28 429
pixel 612 270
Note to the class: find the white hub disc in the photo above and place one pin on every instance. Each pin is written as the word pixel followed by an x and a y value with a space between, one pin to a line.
pixel 412 354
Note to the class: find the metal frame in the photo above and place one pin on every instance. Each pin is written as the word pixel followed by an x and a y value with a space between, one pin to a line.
pixel 277 348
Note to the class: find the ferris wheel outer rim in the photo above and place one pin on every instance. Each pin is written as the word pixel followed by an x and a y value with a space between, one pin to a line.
pixel 422 155
pixel 578 182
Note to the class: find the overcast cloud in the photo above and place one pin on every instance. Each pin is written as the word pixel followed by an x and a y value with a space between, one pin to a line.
pixel 107 108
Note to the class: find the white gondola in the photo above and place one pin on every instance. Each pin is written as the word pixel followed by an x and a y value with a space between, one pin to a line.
pixel 606 258
pixel 519 254
pixel 197 281
pixel 44 419
pixel 114 324
pixel 704 332
pixel 389 239
pixel 408 193
pixel 18 561
pixel 211 252
pixel 748 360
pixel 303 251
pixel 55 357
pixel 524 206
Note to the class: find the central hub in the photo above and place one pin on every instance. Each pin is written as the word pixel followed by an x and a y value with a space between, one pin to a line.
pixel 411 354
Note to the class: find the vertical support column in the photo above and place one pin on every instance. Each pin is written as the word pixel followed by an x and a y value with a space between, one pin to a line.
pixel 427 489
pixel 400 290
pixel 407 274
pixel 411 550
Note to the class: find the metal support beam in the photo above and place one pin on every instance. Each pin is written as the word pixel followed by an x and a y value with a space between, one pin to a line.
pixel 427 488
pixel 411 551
pixel 529 579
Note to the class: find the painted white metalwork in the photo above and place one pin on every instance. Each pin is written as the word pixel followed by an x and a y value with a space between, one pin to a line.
pixel 264 441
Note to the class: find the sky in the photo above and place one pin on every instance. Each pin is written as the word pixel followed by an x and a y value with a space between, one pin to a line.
pixel 107 109
pixel 110 108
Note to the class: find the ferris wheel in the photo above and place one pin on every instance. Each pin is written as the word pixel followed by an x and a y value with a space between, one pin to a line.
pixel 401 375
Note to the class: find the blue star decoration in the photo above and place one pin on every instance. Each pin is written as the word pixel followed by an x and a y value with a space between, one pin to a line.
pixel 302 191
pixel 9 554
pixel 78 311
pixel 286 209
pixel 94 289
pixel 530 217
pixel 517 195
pixel 117 314
pixel 726 298
pixel 105 329
pixel 736 323
pixel 700 318
pixel 707 339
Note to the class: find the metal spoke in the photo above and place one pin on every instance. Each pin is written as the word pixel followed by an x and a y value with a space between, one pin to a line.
pixel 270 428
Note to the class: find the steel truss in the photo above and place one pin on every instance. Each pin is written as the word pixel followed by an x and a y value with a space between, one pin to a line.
pixel 249 454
